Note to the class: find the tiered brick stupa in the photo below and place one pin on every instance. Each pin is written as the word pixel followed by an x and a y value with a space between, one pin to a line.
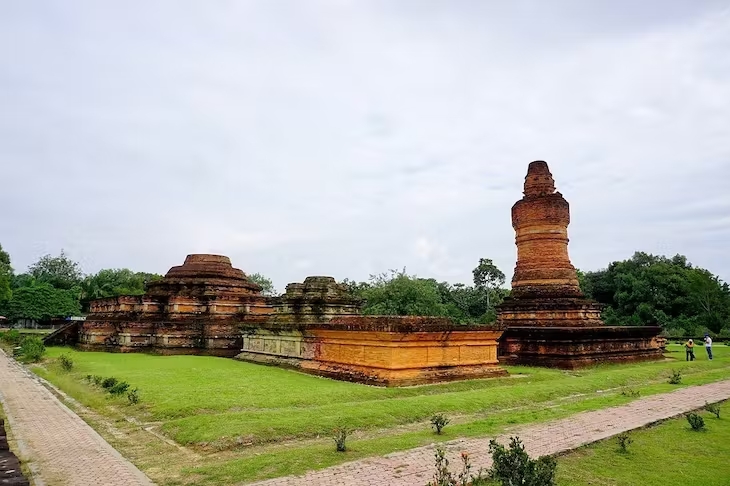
pixel 548 319
pixel 198 307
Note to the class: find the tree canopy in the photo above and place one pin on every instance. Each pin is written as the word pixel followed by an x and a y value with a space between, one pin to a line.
pixel 60 271
pixel 397 293
pixel 487 277
pixel 55 286
pixel 114 281
pixel 41 301
pixel 267 285
pixel 656 290
pixel 6 278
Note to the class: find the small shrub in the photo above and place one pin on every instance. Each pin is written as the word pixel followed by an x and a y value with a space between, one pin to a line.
pixel 119 388
pixel 512 465
pixel 11 337
pixel 32 349
pixel 444 477
pixel 630 392
pixel 624 441
pixel 676 377
pixel 340 436
pixel 108 383
pixel 713 408
pixel 439 421
pixel 133 396
pixel 67 364
pixel 98 380
pixel 695 421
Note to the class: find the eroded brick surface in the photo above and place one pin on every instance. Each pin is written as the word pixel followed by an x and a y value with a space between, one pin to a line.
pixel 65 450
pixel 548 321
pixel 415 467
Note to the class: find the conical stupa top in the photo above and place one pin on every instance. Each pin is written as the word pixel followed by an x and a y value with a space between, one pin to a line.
pixel 539 181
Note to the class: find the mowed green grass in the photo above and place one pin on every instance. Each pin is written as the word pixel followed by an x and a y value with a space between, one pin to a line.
pixel 268 420
pixel 666 454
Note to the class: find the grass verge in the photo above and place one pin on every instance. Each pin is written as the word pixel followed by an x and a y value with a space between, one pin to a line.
pixel 227 421
pixel 667 453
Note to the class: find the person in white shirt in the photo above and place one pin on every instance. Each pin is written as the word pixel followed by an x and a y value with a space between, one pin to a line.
pixel 708 345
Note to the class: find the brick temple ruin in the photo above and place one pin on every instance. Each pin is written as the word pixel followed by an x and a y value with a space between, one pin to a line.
pixel 206 306
pixel 547 319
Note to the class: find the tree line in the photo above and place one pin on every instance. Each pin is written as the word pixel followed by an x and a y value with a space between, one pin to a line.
pixel 642 290
pixel 656 290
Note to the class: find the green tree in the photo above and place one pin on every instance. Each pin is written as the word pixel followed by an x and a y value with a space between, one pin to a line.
pixel 6 279
pixel 712 299
pixel 111 282
pixel 60 271
pixel 399 294
pixel 656 290
pixel 266 284
pixel 42 301
pixel 488 277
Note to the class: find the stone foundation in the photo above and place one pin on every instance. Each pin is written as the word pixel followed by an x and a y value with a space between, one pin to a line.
pixel 576 347
pixel 388 351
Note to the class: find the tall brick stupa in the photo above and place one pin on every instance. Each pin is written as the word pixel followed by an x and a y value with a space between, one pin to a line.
pixel 547 318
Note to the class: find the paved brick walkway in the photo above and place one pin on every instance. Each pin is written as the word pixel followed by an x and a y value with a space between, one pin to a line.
pixel 416 466
pixel 60 446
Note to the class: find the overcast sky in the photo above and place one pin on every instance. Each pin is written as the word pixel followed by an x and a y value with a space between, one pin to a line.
pixel 346 138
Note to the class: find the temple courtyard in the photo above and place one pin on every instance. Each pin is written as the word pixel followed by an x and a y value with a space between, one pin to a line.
pixel 209 420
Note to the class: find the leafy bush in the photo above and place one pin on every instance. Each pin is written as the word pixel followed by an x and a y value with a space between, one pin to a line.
pixel 676 377
pixel 32 349
pixel 624 441
pixel 513 466
pixel 119 388
pixel 444 477
pixel 115 387
pixel 713 408
pixel 340 436
pixel 133 396
pixel 695 421
pixel 439 421
pixel 108 383
pixel 630 392
pixel 67 364
pixel 11 337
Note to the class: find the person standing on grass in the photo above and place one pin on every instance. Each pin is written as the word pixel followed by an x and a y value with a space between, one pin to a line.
pixel 690 348
pixel 708 345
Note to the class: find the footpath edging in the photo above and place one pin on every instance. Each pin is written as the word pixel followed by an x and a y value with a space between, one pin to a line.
pixel 10 472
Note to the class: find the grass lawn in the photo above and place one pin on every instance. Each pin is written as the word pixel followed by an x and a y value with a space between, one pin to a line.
pixel 205 420
pixel 668 453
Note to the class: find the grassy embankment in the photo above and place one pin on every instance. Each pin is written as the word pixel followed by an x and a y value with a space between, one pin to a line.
pixel 233 421
pixel 668 453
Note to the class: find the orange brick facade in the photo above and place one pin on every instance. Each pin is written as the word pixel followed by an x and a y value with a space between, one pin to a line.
pixel 379 350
